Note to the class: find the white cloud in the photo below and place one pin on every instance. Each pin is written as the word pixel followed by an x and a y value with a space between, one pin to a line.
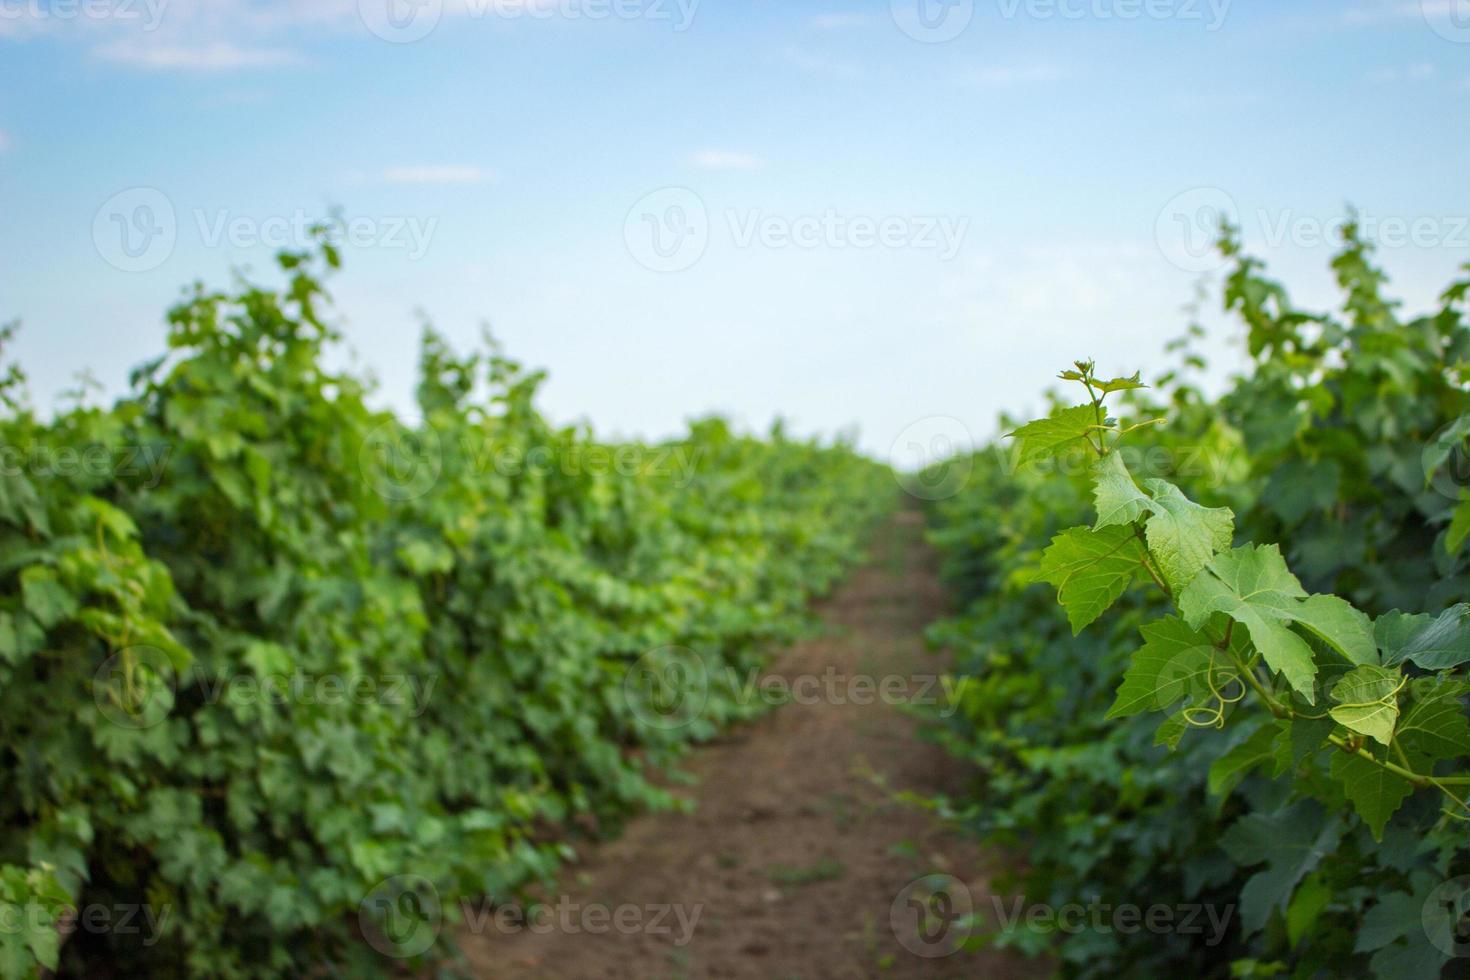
pixel 1006 75
pixel 214 56
pixel 727 160
pixel 439 173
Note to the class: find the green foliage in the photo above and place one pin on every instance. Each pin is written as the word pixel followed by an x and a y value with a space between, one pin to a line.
pixel 1290 736
pixel 270 647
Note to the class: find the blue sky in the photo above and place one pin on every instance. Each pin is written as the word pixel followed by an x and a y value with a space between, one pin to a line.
pixel 865 214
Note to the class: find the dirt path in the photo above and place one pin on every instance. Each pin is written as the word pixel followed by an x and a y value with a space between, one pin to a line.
pixel 797 851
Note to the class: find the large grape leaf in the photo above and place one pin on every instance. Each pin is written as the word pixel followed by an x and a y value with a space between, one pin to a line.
pixel 1435 725
pixel 1183 535
pixel 1291 842
pixel 1340 624
pixel 1253 586
pixel 1119 501
pixel 1090 569
pixel 1432 642
pixel 1174 662
pixel 1374 791
pixel 1397 926
pixel 1056 435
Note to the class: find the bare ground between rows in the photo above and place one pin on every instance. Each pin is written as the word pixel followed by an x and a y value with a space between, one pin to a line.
pixel 797 846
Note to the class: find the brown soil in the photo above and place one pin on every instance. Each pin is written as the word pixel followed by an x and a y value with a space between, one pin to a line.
pixel 798 846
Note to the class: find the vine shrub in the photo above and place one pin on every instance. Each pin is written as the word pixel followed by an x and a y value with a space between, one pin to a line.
pixel 1328 805
pixel 463 602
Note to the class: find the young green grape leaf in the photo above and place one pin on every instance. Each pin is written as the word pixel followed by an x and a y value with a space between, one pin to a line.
pixel 1253 586
pixel 1374 791
pixel 1119 501
pixel 1056 435
pixel 1182 535
pixel 1173 663
pixel 1120 384
pixel 1292 842
pixel 1433 642
pixel 1090 569
pixel 1367 699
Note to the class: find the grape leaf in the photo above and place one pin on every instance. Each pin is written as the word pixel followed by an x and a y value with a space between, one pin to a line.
pixel 1173 663
pixel 1056 435
pixel 1367 701
pixel 1374 791
pixel 1171 730
pixel 1441 446
pixel 1292 842
pixel 1119 501
pixel 1432 642
pixel 1182 535
pixel 1459 528
pixel 1436 725
pixel 1090 569
pixel 1252 586
pixel 1341 625
pixel 45 598
pixel 1305 736
pixel 1311 898
pixel 1228 770
pixel 1120 384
